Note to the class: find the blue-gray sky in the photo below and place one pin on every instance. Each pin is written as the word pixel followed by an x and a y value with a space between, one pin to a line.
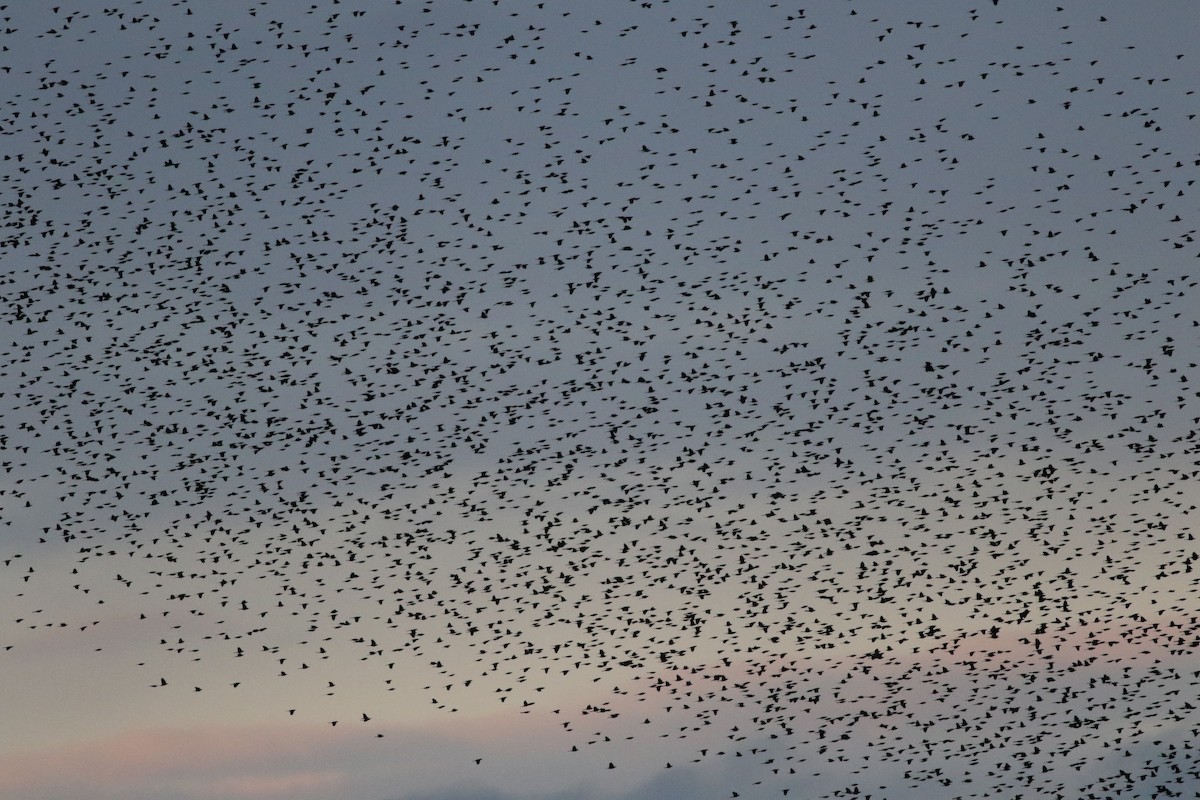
pixel 500 399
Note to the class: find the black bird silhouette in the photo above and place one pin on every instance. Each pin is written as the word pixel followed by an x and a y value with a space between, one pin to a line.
pixel 809 391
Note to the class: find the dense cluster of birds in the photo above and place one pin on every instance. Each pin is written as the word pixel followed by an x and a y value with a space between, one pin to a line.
pixel 827 368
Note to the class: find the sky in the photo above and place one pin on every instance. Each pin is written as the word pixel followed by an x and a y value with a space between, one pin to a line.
pixel 512 400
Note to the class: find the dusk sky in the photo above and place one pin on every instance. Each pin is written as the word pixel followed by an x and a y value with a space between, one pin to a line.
pixel 612 400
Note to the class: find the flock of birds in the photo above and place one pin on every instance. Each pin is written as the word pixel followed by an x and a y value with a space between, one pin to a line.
pixel 827 368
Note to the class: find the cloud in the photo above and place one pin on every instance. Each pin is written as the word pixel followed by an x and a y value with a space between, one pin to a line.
pixel 286 785
pixel 225 762
pixel 484 793
pixel 172 759
pixel 304 762
pixel 664 786
pixel 684 782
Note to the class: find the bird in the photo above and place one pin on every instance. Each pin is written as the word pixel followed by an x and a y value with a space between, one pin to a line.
pixel 807 393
